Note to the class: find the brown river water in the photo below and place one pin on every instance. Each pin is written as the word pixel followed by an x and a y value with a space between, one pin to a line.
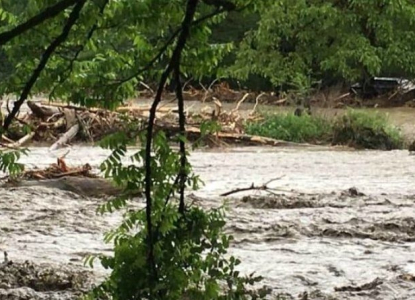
pixel 315 239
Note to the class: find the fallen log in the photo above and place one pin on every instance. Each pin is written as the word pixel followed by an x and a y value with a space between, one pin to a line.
pixel 64 139
pixel 41 111
pixel 123 109
pixel 234 137
pixel 84 186
pixel 22 141
pixel 73 107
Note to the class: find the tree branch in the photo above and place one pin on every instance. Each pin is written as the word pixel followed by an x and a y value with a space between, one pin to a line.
pixel 182 123
pixel 80 49
pixel 253 187
pixel 48 13
pixel 174 61
pixel 167 44
pixel 73 17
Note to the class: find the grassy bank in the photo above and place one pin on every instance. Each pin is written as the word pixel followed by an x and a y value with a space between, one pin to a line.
pixel 354 128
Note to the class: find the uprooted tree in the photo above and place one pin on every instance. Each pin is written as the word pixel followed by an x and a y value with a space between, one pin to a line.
pixel 95 53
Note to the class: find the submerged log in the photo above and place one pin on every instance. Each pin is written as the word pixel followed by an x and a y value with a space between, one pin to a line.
pixel 84 186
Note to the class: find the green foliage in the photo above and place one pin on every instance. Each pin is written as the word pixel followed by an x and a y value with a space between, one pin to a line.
pixel 161 252
pixel 190 250
pixel 298 39
pixel 288 127
pixel 358 129
pixel 114 46
pixel 366 130
pixel 191 259
pixel 9 161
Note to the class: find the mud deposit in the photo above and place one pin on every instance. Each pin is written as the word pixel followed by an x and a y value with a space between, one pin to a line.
pixel 315 239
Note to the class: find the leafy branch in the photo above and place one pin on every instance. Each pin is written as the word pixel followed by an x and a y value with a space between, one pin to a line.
pixel 48 13
pixel 72 61
pixel 174 62
pixel 170 41
pixel 73 17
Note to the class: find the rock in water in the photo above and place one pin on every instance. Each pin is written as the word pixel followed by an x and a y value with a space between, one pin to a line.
pixel 84 186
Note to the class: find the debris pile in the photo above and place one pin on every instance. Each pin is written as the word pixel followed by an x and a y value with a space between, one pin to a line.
pixel 58 170
pixel 62 124
pixel 79 180
pixel 59 123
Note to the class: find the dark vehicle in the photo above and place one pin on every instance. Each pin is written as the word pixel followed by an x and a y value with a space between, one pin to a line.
pixel 378 86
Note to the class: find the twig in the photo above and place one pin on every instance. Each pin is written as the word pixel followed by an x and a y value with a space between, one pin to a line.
pixel 240 102
pixel 263 187
pixel 147 87
pixel 208 89
pixel 186 83
pixel 342 96
pixel 256 103
pixel 54 115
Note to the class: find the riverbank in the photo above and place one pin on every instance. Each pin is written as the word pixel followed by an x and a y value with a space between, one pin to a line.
pixel 232 119
pixel 353 128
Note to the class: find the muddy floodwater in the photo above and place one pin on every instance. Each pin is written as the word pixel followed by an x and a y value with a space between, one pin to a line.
pixel 342 225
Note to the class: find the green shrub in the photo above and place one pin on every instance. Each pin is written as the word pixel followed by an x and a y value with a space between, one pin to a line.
pixel 357 129
pixel 189 248
pixel 366 130
pixel 288 127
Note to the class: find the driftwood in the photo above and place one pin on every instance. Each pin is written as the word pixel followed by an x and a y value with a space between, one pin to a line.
pixel 123 109
pixel 233 137
pixel 42 112
pixel 253 187
pixel 70 134
pixel 50 120
pixel 73 107
pixel 23 140
pixel 59 175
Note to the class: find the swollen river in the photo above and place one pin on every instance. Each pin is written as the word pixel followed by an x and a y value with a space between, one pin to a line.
pixel 342 224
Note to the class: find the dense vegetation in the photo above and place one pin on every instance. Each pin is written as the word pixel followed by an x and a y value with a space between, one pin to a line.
pixel 96 52
pixel 357 129
pixel 272 44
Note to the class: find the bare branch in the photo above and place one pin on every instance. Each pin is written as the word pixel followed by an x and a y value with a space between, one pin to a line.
pixel 253 187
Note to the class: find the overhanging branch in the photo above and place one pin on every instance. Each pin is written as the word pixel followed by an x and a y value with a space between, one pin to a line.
pixel 80 49
pixel 73 17
pixel 48 13
pixel 169 42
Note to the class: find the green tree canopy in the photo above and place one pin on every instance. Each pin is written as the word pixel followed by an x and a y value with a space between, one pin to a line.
pixel 300 40
pixel 94 53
